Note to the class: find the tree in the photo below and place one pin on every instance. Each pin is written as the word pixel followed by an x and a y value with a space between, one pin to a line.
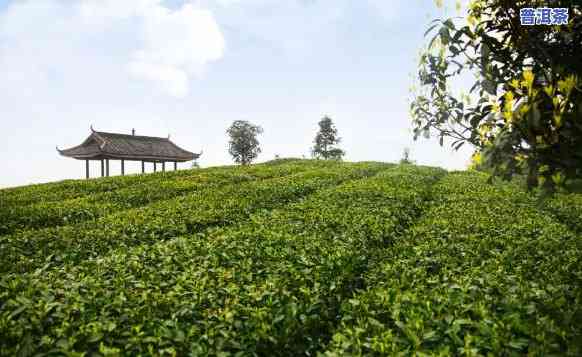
pixel 522 114
pixel 243 145
pixel 325 141
pixel 406 157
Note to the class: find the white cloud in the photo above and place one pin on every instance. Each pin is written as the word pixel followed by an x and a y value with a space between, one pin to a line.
pixel 107 40
pixel 173 80
pixel 97 11
pixel 292 27
pixel 177 45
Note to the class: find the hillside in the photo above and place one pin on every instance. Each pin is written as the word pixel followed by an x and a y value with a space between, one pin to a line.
pixel 290 257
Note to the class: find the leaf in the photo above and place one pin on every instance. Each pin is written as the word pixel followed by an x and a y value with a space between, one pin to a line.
pixel 489 86
pixel 430 29
pixel 430 336
pixel 16 312
pixel 95 337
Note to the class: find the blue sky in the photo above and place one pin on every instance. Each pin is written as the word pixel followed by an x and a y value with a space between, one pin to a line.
pixel 190 68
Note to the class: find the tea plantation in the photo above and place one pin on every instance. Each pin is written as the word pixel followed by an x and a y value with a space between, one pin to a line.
pixel 290 257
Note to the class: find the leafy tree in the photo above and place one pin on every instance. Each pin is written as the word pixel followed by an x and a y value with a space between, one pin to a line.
pixel 523 113
pixel 406 157
pixel 243 145
pixel 325 141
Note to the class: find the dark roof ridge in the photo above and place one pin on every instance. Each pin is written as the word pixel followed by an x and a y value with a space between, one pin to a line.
pixel 131 135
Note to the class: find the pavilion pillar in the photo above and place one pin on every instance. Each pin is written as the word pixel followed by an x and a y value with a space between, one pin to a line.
pixel 142 167
pixel 175 165
pixel 155 166
pixel 122 167
pixel 107 167
pixel 87 169
pixel 163 166
pixel 102 168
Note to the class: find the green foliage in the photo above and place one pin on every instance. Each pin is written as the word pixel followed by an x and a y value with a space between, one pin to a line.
pixel 186 214
pixel 325 141
pixel 482 272
pixel 243 145
pixel 147 190
pixel 68 189
pixel 567 208
pixel 279 161
pixel 296 257
pixel 523 111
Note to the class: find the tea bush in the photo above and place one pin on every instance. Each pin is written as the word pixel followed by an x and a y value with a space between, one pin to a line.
pixel 482 272
pixel 567 208
pixel 293 257
pixel 272 283
pixel 130 192
pixel 164 220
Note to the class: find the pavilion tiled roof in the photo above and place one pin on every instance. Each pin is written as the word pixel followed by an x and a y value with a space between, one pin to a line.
pixel 102 145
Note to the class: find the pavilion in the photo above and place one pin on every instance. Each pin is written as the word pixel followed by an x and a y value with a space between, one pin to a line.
pixel 103 147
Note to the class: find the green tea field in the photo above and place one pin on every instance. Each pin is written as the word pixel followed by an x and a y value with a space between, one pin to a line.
pixel 290 257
